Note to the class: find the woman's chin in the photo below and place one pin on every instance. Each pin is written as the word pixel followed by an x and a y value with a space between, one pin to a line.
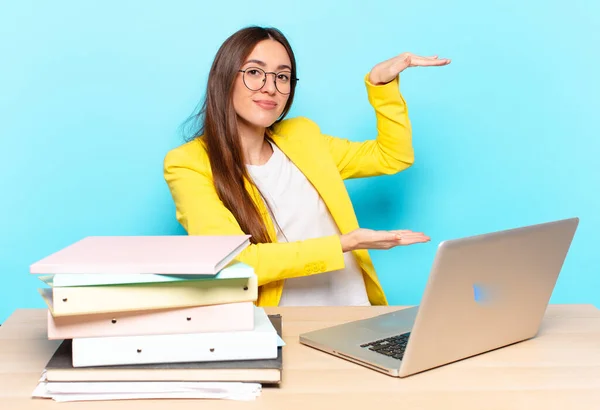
pixel 259 121
pixel 264 122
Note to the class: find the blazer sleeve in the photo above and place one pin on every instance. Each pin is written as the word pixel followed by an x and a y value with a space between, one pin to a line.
pixel 391 151
pixel 201 212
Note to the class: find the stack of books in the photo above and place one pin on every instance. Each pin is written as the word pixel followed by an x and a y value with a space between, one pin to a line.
pixel 157 308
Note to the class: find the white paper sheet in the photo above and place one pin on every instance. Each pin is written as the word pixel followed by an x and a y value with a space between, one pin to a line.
pixel 92 391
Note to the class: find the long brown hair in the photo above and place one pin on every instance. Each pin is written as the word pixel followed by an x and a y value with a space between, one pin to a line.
pixel 218 121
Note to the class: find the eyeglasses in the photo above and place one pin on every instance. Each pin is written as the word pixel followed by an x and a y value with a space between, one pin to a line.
pixel 255 78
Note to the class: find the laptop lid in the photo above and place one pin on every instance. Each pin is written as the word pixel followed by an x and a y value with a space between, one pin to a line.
pixel 485 292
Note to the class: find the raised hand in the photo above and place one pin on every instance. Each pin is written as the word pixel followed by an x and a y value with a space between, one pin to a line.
pixel 387 70
pixel 370 239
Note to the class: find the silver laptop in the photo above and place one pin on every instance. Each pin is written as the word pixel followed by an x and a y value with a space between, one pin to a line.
pixel 484 292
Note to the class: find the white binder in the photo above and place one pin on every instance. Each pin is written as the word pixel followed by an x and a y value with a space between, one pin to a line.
pixel 259 343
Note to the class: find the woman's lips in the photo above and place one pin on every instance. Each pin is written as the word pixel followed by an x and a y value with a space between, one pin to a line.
pixel 267 105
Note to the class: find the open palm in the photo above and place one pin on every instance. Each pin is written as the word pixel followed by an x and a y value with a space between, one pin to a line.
pixel 371 239
pixel 387 70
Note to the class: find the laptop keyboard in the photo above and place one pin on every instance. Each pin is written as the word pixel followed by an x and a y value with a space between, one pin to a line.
pixel 392 346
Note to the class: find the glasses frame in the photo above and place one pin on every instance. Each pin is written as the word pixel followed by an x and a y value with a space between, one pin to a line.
pixel 265 79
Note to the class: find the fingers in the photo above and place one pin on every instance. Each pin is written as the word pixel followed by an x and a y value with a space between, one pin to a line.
pixel 389 239
pixel 413 237
pixel 424 62
pixel 406 237
pixel 405 232
pixel 412 56
pixel 416 239
pixel 398 236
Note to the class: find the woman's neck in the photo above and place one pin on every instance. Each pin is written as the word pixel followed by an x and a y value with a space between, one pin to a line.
pixel 255 147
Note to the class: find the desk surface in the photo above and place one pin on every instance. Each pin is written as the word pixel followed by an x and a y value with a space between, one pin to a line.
pixel 558 369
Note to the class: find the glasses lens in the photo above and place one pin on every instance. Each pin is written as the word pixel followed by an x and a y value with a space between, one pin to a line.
pixel 284 82
pixel 254 78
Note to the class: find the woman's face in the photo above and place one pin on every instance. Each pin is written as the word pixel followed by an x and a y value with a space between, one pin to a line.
pixel 257 101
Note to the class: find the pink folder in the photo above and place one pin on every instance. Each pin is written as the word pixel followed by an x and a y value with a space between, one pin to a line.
pixel 229 317
pixel 175 254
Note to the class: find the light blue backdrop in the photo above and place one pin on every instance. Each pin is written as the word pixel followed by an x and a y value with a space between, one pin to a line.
pixel 92 95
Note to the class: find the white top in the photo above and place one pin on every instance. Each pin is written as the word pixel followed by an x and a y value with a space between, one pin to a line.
pixel 302 214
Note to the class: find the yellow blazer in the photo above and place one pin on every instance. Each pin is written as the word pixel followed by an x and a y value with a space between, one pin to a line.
pixel 326 161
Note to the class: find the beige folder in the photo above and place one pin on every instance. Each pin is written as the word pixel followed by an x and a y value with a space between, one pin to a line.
pixel 147 296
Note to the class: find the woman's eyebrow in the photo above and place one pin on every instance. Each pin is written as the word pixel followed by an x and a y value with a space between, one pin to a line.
pixel 263 64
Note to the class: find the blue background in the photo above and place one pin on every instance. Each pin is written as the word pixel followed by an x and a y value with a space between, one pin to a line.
pixel 92 97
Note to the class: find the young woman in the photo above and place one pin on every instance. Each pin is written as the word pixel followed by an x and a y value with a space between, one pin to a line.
pixel 250 171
